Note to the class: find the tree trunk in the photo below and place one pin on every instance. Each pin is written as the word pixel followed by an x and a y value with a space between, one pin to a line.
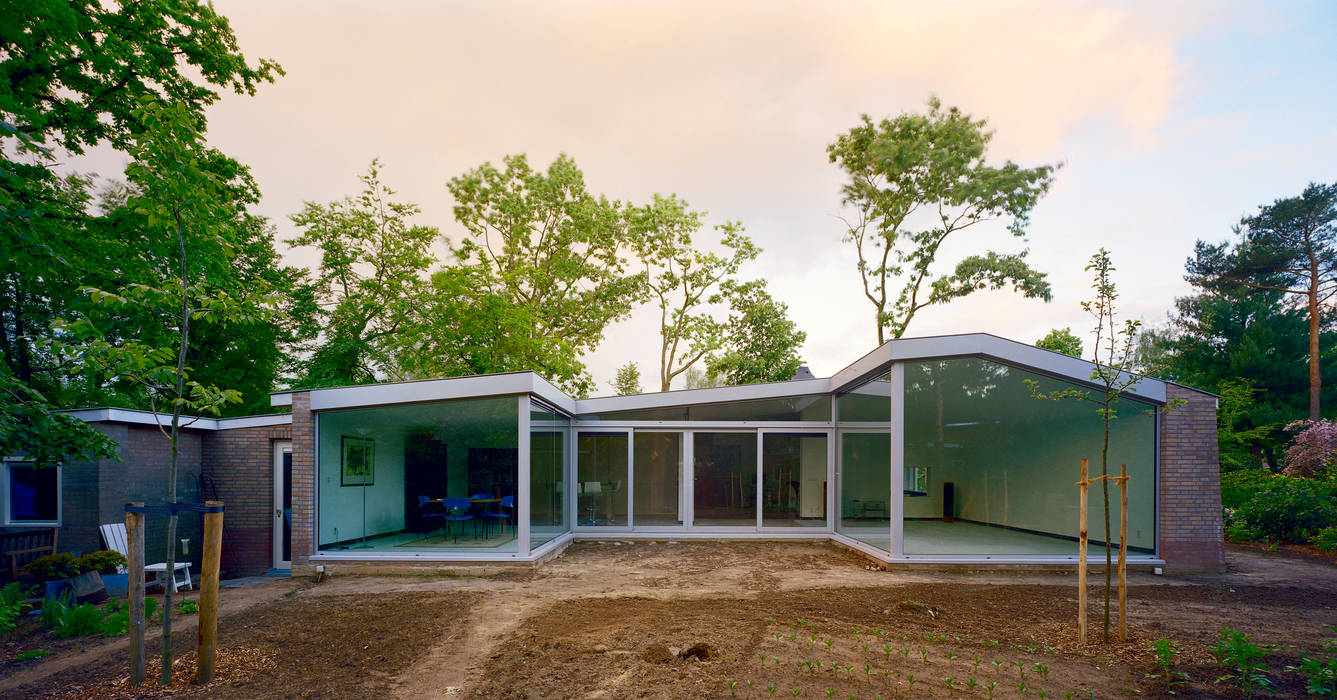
pixel 1315 379
pixel 1105 493
pixel 170 565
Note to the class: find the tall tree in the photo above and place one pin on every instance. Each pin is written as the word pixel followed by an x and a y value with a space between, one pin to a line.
pixel 1289 246
pixel 628 380
pixel 178 194
pixel 373 263
pixel 549 254
pixel 684 280
pixel 1061 340
pixel 913 182
pixel 761 343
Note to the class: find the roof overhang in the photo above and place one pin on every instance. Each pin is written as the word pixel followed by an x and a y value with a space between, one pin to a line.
pixel 138 417
pixel 432 390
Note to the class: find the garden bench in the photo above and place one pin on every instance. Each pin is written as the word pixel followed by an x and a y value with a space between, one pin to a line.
pixel 21 547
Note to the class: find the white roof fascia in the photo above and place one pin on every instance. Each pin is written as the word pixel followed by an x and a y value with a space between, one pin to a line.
pixel 138 417
pixel 549 392
pixel 1013 353
pixel 688 397
pixel 862 367
pixel 421 391
pixel 284 399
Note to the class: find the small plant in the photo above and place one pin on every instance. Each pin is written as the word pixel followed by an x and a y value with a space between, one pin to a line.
pixel 53 567
pixel 732 686
pixel 997 666
pixel 971 683
pixel 949 682
pixel 1166 651
pixel 794 692
pixel 991 686
pixel 886 651
pixel 1069 695
pixel 1041 669
pixel 867 670
pixel 13 603
pixel 976 660
pixel 1237 652
pixel 909 678
pixel 1021 670
pixel 32 654
pixel 830 692
pixel 1042 693
pixel 188 607
pixel 951 656
pixel 1021 687
pixel 53 610
pixel 924 653
pixel 770 688
pixel 1320 674
pixel 79 621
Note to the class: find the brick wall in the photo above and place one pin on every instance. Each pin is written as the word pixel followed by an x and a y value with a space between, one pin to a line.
pixel 1191 534
pixel 141 475
pixel 303 482
pixel 239 463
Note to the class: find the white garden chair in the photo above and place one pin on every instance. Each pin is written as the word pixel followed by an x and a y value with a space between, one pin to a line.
pixel 114 536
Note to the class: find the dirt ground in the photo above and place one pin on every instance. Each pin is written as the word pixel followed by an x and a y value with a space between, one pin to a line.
pixel 688 619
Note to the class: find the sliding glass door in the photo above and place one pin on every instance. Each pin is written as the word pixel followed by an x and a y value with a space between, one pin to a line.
pixel 657 480
pixel 724 479
pixel 793 479
pixel 601 479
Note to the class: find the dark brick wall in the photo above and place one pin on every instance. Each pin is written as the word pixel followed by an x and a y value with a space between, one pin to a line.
pixel 1191 534
pixel 240 464
pixel 303 481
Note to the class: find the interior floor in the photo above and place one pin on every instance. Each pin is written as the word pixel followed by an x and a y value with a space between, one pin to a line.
pixel 962 538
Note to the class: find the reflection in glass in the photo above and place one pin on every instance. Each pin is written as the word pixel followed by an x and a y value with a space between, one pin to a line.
pixel 658 478
pixel 601 479
pixel 865 486
pixel 547 475
pixel 793 480
pixel 388 491
pixel 1001 464
pixel 867 403
pixel 725 479
pixel 813 407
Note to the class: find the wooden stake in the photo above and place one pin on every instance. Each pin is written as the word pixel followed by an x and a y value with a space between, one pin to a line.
pixel 1081 562
pixel 209 563
pixel 1123 547
pixel 134 535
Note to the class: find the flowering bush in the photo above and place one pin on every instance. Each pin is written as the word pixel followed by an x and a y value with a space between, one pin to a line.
pixel 1313 450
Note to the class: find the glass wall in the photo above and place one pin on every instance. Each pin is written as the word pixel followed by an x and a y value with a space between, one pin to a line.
pixel 547 474
pixel 865 487
pixel 991 465
pixel 724 479
pixel 601 479
pixel 657 483
pixel 793 480
pixel 867 403
pixel 422 477
pixel 815 407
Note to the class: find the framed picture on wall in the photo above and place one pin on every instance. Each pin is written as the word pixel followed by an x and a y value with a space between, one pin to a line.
pixel 358 465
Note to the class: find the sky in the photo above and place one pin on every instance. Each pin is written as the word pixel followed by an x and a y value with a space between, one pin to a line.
pixel 1171 120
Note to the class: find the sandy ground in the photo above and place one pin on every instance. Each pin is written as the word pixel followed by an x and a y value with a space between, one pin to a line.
pixel 607 619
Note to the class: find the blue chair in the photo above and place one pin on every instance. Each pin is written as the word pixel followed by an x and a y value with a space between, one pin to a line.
pixel 501 514
pixel 457 511
pixel 431 511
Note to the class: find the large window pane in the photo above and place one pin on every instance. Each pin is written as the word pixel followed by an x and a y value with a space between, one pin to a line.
pixel 793 480
pixel 990 468
pixel 815 407
pixel 601 479
pixel 865 486
pixel 658 479
pixel 870 402
pixel 547 475
pixel 34 494
pixel 725 473
pixel 424 477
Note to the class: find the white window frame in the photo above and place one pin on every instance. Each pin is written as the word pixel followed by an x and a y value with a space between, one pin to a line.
pixel 60 496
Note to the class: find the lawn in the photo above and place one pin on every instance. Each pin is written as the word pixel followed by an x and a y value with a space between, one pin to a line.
pixel 706 619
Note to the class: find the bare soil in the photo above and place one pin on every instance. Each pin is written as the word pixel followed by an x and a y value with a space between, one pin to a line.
pixel 672 620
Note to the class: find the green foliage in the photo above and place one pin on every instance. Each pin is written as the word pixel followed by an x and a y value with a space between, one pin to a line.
pixel 79 621
pixel 150 608
pixel 188 607
pixel 13 603
pixel 1320 672
pixel 32 654
pixel 103 561
pixel 1288 247
pixel 31 427
pixel 1061 340
pixel 1166 651
pixel 934 166
pixel 54 567
pixel 369 280
pixel 54 609
pixel 628 380
pixel 1272 507
pixel 1244 661
pixel 761 343
pixel 1325 539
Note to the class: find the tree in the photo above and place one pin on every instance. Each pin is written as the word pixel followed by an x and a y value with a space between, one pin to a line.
pixel 1113 358
pixel 913 182
pixel 697 378
pixel 368 286
pixel 761 344
pixel 628 380
pixel 547 252
pixel 1289 246
pixel 32 429
pixel 177 194
pixel 684 280
pixel 1061 340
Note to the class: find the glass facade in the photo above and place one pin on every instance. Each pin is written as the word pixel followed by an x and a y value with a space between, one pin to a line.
pixel 793 480
pixel 867 403
pixel 657 483
pixel 865 487
pixel 435 477
pixel 814 407
pixel 724 479
pixel 601 479
pixel 991 466
pixel 548 432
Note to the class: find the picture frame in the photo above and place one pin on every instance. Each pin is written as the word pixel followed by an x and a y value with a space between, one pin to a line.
pixel 357 466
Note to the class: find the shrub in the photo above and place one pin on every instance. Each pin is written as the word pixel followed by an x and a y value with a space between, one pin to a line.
pixel 188 607
pixel 1238 488
pixel 13 602
pixel 80 621
pixel 1325 539
pixel 1283 508
pixel 1244 661
pixel 103 561
pixel 1313 450
pixel 53 567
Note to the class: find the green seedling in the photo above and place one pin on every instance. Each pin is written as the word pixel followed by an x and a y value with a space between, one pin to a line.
pixel 1237 652
pixel 829 643
pixel 864 647
pixel 991 686
pixel 1166 651
pixel 1032 647
pixel 1021 687
pixel 1021 670
pixel 1042 693
pixel 830 692
pixel 911 680
pixel 794 692
pixel 1041 669
pixel 951 656
pixel 1068 695
pixel 976 660
pixel 905 651
pixel 997 666
pixel 950 682
pixel 762 657
pixel 770 688
pixel 886 651
pixel 924 653
pixel 971 683
pixel 732 685
pixel 867 670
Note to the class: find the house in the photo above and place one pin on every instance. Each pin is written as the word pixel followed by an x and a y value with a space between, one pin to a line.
pixel 927 450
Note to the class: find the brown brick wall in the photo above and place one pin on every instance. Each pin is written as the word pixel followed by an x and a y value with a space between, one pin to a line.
pixel 239 464
pixel 1190 529
pixel 303 481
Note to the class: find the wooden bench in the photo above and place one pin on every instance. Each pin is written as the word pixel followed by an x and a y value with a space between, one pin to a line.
pixel 23 546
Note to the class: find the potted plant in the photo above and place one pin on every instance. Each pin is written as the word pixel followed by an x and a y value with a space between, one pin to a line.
pixel 110 566
pixel 54 570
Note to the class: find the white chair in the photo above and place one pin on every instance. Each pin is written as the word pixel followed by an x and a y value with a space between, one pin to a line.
pixel 114 537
